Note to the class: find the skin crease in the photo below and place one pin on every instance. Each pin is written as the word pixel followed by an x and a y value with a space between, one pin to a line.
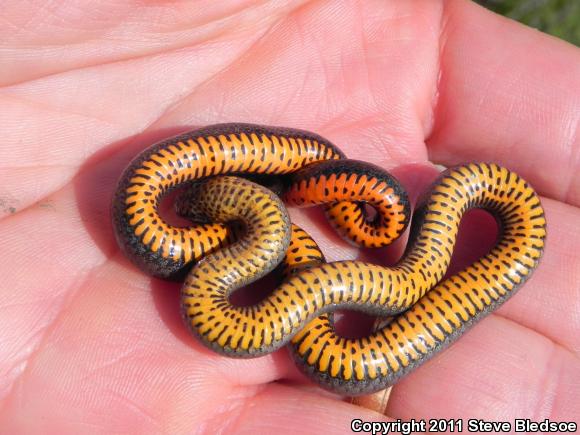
pixel 88 343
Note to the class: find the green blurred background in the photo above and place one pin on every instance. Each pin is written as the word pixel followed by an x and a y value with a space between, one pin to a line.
pixel 560 18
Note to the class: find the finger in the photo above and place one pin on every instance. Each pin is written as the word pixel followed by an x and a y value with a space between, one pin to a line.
pixel 498 371
pixel 509 94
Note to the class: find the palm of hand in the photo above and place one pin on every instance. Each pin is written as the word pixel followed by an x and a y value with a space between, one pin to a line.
pixel 90 342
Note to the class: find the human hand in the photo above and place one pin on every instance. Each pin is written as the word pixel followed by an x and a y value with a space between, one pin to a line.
pixel 89 343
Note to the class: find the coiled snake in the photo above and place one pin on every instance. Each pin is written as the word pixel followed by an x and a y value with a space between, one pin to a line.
pixel 430 313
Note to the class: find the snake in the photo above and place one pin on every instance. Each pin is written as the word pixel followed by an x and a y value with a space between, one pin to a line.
pixel 428 310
